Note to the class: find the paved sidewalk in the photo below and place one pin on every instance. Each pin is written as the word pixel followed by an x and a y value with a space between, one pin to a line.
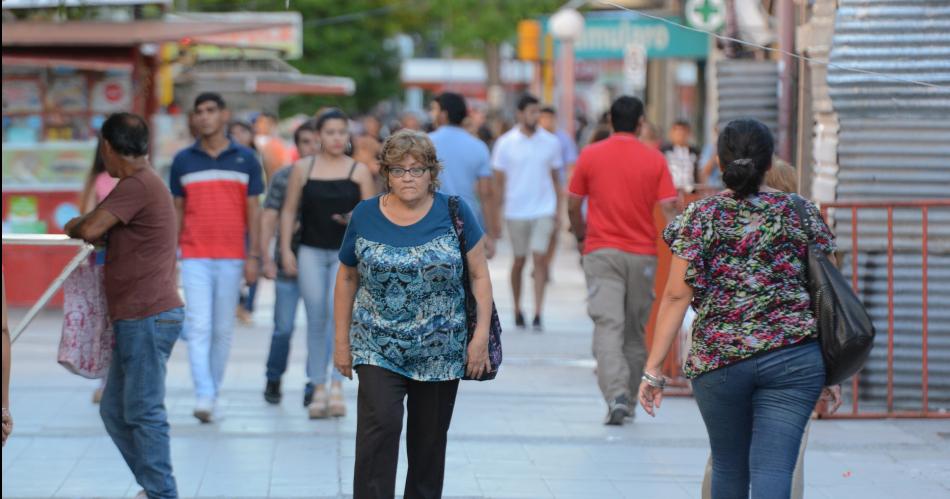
pixel 535 432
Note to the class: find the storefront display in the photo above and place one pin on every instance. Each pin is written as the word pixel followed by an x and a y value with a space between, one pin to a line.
pixel 50 119
pixel 44 165
pixel 56 113
pixel 21 96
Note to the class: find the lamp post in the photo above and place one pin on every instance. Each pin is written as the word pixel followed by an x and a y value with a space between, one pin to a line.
pixel 567 25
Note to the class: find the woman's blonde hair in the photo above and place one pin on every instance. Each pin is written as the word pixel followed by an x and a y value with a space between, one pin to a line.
pixel 410 143
pixel 782 176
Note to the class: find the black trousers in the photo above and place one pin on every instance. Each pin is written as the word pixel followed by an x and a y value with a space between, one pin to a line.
pixel 379 411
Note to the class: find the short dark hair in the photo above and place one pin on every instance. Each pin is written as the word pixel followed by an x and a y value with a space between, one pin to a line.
pixel 306 126
pixel 625 114
pixel 549 110
pixel 127 134
pixel 241 124
pixel 527 100
pixel 745 149
pixel 683 123
pixel 332 114
pixel 454 106
pixel 210 97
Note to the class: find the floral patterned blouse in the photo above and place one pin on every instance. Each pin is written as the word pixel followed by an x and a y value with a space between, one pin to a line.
pixel 409 311
pixel 745 265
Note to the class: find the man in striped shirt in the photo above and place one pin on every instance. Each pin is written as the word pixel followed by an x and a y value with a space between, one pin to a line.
pixel 216 184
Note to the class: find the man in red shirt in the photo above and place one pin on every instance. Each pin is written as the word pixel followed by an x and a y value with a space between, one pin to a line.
pixel 215 184
pixel 622 180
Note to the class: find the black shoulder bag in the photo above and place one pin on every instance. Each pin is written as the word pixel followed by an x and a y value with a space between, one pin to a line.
pixel 845 330
pixel 471 306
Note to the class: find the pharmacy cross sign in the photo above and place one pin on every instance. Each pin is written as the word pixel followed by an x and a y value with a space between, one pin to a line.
pixel 705 14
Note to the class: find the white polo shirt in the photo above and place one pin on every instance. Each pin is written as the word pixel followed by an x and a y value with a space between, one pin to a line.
pixel 527 162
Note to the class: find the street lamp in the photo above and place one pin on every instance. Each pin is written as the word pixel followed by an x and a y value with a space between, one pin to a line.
pixel 566 26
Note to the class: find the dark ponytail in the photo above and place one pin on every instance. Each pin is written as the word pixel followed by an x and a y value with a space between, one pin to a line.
pixel 745 151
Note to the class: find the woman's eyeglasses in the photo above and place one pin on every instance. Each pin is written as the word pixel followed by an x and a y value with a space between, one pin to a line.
pixel 415 172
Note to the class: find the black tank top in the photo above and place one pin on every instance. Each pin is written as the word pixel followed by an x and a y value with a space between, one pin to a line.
pixel 320 201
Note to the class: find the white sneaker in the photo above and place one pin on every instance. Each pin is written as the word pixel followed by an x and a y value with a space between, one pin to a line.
pixel 141 495
pixel 204 410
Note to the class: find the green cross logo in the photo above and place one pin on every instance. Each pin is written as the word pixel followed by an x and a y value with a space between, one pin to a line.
pixel 707 9
pixel 705 14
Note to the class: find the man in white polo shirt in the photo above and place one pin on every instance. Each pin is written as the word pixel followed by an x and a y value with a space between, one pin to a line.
pixel 526 161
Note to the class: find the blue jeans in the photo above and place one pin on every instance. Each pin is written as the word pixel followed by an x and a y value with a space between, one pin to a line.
pixel 212 287
pixel 133 402
pixel 285 313
pixel 755 413
pixel 316 276
pixel 247 300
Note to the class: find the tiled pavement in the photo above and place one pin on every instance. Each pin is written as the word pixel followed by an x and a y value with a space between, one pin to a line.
pixel 534 432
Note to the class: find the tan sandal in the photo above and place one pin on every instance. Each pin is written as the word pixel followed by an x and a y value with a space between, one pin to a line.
pixel 337 406
pixel 318 408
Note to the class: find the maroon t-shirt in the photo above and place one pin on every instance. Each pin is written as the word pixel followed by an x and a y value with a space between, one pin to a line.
pixel 140 258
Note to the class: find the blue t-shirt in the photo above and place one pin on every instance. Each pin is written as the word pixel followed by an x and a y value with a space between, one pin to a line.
pixel 465 159
pixel 568 155
pixel 409 312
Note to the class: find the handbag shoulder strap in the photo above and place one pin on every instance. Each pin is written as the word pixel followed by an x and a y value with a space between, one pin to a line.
pixel 456 217
pixel 799 205
pixel 459 226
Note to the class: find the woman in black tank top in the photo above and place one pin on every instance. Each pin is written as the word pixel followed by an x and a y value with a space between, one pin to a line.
pixel 323 189
pixel 322 203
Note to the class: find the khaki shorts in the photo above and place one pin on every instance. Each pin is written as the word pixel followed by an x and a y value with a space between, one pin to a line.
pixel 532 235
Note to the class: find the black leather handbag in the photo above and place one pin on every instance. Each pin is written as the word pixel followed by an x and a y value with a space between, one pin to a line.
pixel 845 330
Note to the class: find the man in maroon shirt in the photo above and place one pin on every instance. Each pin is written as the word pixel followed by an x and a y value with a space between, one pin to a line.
pixel 138 220
pixel 622 180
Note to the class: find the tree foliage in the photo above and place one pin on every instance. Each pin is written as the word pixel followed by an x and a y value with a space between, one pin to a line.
pixel 349 38
pixel 339 39
pixel 469 25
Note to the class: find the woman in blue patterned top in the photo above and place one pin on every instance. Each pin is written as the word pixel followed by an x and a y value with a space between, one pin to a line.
pixel 400 319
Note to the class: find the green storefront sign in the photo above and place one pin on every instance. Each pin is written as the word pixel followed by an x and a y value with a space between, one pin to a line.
pixel 606 36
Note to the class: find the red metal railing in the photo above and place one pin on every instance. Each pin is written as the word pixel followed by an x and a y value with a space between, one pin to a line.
pixel 924 206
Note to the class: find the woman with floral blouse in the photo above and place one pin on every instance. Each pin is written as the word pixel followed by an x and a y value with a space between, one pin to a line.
pixel 756 369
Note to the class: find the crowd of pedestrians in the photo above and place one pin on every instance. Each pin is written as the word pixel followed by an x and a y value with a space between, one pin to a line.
pixel 384 234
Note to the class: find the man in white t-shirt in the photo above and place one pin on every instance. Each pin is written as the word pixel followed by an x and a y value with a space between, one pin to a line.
pixel 526 161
